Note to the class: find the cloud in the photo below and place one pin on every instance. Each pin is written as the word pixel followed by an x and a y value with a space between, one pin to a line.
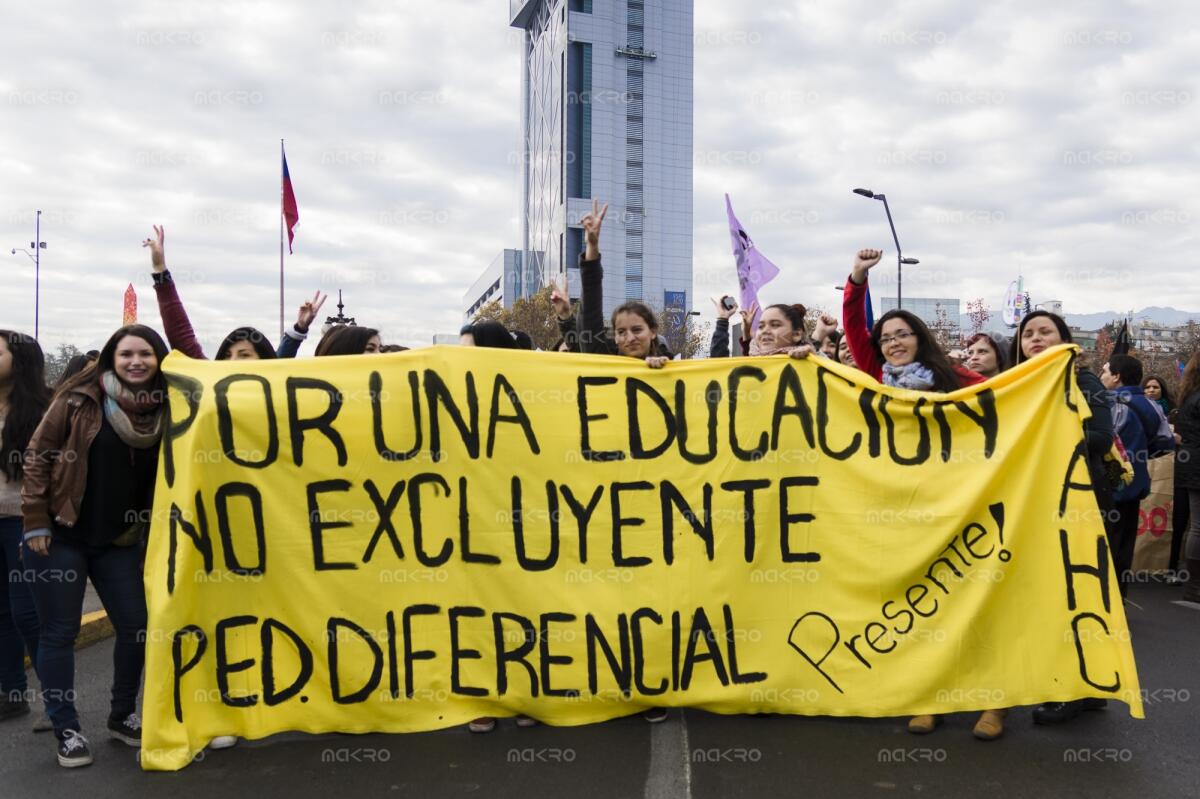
pixel 1010 137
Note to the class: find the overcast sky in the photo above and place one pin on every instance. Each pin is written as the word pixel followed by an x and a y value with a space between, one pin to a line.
pixel 1058 140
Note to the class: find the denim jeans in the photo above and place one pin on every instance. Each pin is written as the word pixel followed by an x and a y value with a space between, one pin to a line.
pixel 60 578
pixel 18 614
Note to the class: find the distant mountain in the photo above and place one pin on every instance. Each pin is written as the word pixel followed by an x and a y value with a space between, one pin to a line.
pixel 1095 321
pixel 1155 313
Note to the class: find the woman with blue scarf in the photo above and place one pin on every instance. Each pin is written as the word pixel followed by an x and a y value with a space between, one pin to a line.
pixel 900 351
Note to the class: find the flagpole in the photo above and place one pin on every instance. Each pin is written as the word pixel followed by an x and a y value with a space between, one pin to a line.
pixel 281 157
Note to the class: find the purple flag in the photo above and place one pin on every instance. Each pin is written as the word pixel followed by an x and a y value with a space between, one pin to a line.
pixel 753 269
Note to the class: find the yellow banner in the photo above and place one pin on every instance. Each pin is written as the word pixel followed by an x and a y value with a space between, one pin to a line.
pixel 407 542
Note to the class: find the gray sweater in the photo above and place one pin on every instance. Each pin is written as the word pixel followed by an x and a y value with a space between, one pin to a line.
pixel 10 491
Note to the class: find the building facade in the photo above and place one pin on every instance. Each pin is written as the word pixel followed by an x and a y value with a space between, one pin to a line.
pixel 1150 336
pixel 606 98
pixel 511 274
pixel 942 315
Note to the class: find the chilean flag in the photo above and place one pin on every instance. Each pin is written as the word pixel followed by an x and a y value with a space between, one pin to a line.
pixel 291 213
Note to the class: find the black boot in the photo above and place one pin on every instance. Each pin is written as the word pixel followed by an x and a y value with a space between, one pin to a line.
pixel 1060 712
pixel 11 708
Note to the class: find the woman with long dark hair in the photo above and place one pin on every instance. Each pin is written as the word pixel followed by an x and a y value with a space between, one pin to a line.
pixel 242 343
pixel 86 501
pixel 1187 470
pixel 900 351
pixel 23 400
pixel 1038 332
pixel 1156 390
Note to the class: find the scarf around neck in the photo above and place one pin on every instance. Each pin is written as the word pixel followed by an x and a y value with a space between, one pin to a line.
pixel 135 416
pixel 756 350
pixel 913 376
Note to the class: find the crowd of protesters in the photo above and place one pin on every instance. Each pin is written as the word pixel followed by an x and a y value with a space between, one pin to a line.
pixel 77 464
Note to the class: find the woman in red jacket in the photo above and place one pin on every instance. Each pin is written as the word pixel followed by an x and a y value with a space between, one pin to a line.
pixel 899 351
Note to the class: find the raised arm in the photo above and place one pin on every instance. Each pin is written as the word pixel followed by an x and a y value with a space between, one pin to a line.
pixel 178 327
pixel 719 348
pixel 826 324
pixel 854 315
pixel 564 316
pixel 592 337
pixel 289 345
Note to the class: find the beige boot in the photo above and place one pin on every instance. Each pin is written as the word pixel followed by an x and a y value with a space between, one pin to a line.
pixel 990 725
pixel 923 725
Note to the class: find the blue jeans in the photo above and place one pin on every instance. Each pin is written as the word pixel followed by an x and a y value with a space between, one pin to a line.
pixel 60 578
pixel 18 614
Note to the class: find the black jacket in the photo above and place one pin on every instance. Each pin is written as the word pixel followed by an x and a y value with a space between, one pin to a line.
pixel 1097 432
pixel 593 335
pixel 1187 457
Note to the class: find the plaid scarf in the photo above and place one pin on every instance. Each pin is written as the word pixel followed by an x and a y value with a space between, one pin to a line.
pixel 136 416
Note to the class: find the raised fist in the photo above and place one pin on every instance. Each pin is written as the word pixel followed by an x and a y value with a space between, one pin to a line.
pixel 863 261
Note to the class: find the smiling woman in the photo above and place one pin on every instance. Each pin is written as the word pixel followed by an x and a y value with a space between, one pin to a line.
pixel 899 350
pixel 90 471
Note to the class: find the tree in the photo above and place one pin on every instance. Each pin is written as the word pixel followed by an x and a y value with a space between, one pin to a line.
pixel 685 337
pixel 1104 345
pixel 56 364
pixel 978 313
pixel 533 315
pixel 944 330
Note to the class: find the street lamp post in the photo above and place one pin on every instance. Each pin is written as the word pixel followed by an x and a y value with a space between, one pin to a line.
pixel 37 245
pixel 900 259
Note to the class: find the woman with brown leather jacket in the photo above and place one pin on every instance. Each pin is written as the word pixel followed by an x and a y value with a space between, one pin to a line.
pixel 86 499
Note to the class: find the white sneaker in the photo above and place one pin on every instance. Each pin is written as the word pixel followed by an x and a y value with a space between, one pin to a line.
pixel 223 742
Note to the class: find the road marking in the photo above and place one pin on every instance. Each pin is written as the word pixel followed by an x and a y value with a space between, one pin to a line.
pixel 670 761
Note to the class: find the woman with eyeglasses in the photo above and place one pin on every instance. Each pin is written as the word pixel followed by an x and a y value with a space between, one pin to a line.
pixel 900 351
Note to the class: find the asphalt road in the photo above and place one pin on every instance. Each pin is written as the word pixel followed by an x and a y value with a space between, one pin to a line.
pixel 693 754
